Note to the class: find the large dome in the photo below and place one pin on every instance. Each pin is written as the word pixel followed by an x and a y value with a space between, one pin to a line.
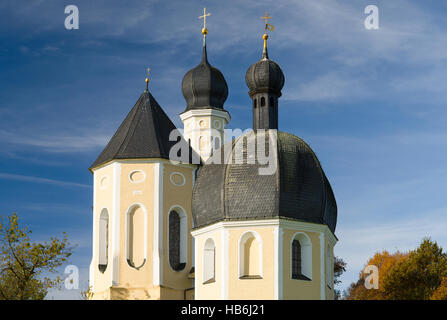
pixel 298 188
pixel 204 86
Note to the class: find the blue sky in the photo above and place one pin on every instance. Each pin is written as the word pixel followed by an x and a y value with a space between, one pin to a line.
pixel 371 103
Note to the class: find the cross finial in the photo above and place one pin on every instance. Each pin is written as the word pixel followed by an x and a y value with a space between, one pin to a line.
pixel 268 26
pixel 204 30
pixel 148 70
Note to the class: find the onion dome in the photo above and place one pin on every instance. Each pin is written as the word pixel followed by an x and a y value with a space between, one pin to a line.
pixel 204 86
pixel 265 75
pixel 235 190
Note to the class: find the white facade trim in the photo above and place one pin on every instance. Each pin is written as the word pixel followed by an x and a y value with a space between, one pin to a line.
pixel 322 267
pixel 127 225
pixel 241 242
pixel 180 174
pixel 136 181
pixel 276 263
pixel 205 112
pixel 283 223
pixel 116 222
pixel 280 263
pixel 143 161
pixel 224 264
pixel 93 263
pixel 157 248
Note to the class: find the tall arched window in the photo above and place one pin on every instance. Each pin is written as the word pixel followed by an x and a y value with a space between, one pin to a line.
pixel 103 243
pixel 301 257
pixel 209 261
pixel 250 256
pixel 136 237
pixel 262 101
pixel 329 266
pixel 177 240
pixel 255 103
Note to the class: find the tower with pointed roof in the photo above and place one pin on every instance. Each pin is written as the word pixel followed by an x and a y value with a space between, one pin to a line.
pixel 142 248
pixel 205 91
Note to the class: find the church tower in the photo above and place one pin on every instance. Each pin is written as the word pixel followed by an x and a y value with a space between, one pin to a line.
pixel 264 235
pixel 142 247
pixel 205 91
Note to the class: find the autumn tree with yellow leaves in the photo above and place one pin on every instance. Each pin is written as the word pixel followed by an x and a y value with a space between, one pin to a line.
pixel 419 274
pixel 22 262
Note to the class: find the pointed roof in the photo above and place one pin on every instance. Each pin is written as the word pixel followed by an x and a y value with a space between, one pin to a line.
pixel 143 134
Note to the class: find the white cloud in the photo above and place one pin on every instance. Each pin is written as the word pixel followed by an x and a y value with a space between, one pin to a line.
pixel 17 177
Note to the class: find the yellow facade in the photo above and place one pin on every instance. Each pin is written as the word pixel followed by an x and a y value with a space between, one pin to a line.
pixel 138 195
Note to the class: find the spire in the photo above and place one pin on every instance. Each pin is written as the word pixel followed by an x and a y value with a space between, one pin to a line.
pixel 265 54
pixel 147 79
pixel 265 80
pixel 268 27
pixel 204 29
pixel 204 87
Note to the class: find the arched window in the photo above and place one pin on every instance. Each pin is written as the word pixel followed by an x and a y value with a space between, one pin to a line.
pixel 262 101
pixel 255 103
pixel 177 240
pixel 216 143
pixel 103 243
pixel 301 257
pixel 250 256
pixel 136 237
pixel 209 260
pixel 329 266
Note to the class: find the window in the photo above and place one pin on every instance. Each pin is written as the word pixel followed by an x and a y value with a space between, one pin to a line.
pixel 262 102
pixel 255 102
pixel 301 257
pixel 136 237
pixel 250 256
pixel 209 259
pixel 177 240
pixel 103 242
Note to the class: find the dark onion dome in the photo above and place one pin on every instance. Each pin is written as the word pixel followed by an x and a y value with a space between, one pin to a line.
pixel 265 75
pixel 204 86
pixel 297 190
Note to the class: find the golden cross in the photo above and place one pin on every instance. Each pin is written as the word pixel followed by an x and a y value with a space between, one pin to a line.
pixel 268 26
pixel 147 79
pixel 204 17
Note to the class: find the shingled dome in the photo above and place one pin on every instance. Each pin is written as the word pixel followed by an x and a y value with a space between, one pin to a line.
pixel 204 86
pixel 265 75
pixel 298 189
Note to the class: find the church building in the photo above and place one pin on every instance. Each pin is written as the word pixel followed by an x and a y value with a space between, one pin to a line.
pixel 213 225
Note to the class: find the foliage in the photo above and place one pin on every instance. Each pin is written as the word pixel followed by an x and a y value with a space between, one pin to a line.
pixel 339 269
pixel 441 292
pixel 416 275
pixel 23 262
pixel 87 294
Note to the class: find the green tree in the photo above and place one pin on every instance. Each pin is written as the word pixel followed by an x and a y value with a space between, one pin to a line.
pixel 22 262
pixel 419 275
pixel 339 268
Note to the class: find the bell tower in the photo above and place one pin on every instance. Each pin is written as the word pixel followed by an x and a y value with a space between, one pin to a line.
pixel 265 80
pixel 142 248
pixel 205 91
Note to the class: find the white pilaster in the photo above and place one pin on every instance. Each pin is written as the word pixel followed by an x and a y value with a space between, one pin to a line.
pixel 322 267
pixel 158 225
pixel 116 217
